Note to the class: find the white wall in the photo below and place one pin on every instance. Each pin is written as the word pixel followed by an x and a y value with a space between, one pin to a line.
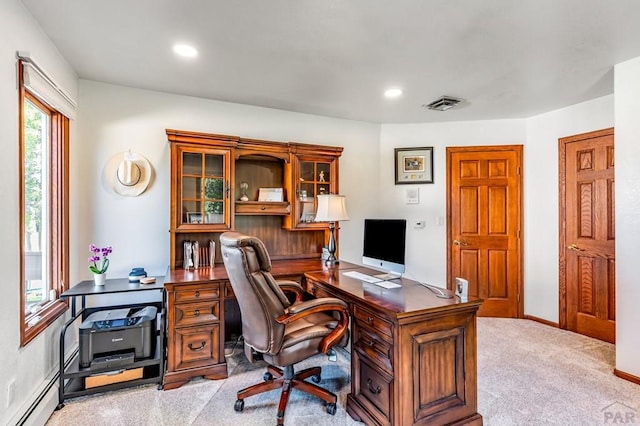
pixel 627 156
pixel 29 366
pixel 114 118
pixel 426 247
pixel 541 197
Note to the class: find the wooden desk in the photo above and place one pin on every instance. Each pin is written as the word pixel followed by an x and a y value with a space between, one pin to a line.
pixel 200 305
pixel 413 355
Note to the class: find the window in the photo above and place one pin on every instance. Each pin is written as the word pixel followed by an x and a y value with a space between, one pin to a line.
pixel 44 141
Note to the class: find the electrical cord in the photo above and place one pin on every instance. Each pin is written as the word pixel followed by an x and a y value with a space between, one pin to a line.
pixel 434 289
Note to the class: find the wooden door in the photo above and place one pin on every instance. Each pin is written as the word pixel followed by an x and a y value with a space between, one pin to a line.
pixel 587 234
pixel 484 204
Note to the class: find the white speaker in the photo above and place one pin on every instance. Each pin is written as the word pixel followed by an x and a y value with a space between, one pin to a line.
pixel 462 289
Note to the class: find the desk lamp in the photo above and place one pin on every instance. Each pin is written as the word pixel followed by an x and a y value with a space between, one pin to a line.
pixel 331 208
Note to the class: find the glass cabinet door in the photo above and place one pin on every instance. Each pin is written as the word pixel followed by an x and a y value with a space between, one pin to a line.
pixel 204 187
pixel 315 178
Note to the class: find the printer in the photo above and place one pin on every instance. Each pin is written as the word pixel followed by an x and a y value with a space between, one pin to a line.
pixel 117 337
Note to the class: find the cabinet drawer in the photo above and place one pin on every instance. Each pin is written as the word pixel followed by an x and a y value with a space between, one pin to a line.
pixel 195 293
pixel 373 390
pixel 196 313
pixel 262 208
pixel 197 346
pixel 374 347
pixel 379 324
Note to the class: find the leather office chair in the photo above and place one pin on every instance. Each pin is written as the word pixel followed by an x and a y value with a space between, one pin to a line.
pixel 284 333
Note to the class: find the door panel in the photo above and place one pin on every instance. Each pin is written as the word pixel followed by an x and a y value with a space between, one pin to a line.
pixel 484 211
pixel 587 240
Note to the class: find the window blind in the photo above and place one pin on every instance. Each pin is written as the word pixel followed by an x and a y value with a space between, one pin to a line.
pixel 45 88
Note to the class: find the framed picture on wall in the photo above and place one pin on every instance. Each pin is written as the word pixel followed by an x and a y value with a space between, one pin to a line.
pixel 414 165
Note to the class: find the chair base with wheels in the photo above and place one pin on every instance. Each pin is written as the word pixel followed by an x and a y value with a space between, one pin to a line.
pixel 287 379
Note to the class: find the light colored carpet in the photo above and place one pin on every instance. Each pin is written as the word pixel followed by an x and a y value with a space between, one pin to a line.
pixel 528 374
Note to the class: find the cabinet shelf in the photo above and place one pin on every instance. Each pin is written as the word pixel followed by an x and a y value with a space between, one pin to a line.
pixel 257 208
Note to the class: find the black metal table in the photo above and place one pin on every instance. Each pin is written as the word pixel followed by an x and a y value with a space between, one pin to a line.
pixel 70 369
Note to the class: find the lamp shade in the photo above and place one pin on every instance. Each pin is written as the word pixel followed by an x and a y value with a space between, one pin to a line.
pixel 331 208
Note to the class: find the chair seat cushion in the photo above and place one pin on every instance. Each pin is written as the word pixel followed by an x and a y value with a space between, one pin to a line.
pixel 302 339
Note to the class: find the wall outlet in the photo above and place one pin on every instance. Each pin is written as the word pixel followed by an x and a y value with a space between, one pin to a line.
pixel 11 392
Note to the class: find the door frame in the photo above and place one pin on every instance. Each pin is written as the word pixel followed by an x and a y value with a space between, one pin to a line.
pixel 520 238
pixel 562 228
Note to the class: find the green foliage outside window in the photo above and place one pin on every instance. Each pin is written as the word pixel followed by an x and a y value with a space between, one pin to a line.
pixel 33 139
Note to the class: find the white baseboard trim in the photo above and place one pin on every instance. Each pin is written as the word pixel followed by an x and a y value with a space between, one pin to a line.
pixel 43 401
pixel 40 405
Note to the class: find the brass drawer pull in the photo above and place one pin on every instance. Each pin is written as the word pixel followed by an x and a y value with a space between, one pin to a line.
pixel 370 320
pixel 371 343
pixel 263 208
pixel 375 391
pixel 196 312
pixel 197 294
pixel 202 345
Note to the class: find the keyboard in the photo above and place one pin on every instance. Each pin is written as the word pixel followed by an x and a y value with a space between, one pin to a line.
pixel 362 277
pixel 387 284
pixel 371 279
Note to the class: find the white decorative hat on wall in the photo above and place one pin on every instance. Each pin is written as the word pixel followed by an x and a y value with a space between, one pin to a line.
pixel 128 173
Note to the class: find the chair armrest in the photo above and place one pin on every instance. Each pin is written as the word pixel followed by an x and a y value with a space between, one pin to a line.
pixel 291 287
pixel 324 304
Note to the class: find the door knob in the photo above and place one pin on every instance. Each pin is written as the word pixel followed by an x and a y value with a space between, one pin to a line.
pixel 574 248
pixel 460 243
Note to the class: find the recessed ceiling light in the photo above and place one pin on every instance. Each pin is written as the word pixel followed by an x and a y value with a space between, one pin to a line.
pixel 392 93
pixel 185 50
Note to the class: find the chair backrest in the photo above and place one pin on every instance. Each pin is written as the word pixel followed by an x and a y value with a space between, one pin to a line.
pixel 260 298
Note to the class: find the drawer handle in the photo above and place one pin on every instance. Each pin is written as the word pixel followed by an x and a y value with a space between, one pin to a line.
pixel 263 208
pixel 371 343
pixel 202 345
pixel 371 389
pixel 370 320
pixel 197 294
pixel 196 312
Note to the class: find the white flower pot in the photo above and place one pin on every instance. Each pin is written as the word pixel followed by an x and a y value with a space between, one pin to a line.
pixel 99 279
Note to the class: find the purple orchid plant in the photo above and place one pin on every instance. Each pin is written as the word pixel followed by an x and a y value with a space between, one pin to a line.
pixel 96 259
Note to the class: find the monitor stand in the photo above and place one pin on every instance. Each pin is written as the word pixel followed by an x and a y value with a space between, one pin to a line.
pixel 388 276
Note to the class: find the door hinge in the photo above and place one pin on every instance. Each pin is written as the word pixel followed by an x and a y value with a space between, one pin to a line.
pixel 518 297
pixel 518 234
pixel 518 170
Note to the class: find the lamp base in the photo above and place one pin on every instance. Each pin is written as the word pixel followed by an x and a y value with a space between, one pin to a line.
pixel 331 262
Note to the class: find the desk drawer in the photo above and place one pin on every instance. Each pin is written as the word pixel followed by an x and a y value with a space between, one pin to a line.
pixel 373 346
pixel 228 291
pixel 196 293
pixel 376 322
pixel 197 346
pixel 317 291
pixel 186 314
pixel 373 388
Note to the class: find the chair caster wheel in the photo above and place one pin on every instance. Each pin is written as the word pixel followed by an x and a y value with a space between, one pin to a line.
pixel 331 408
pixel 239 405
pixel 267 377
pixel 316 378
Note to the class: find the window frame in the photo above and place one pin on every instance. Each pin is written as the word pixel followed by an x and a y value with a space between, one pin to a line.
pixel 58 218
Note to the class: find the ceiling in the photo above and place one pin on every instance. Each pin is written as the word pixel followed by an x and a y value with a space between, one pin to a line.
pixel 507 59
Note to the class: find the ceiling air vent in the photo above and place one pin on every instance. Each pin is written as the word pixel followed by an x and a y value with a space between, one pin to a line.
pixel 443 103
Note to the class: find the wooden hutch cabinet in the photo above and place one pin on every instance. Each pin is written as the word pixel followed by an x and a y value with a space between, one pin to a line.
pixel 216 182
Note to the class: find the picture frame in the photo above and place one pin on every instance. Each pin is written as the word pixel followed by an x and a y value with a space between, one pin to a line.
pixel 194 217
pixel 271 194
pixel 414 165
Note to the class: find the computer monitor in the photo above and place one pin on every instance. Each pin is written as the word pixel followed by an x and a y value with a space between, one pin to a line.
pixel 384 246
